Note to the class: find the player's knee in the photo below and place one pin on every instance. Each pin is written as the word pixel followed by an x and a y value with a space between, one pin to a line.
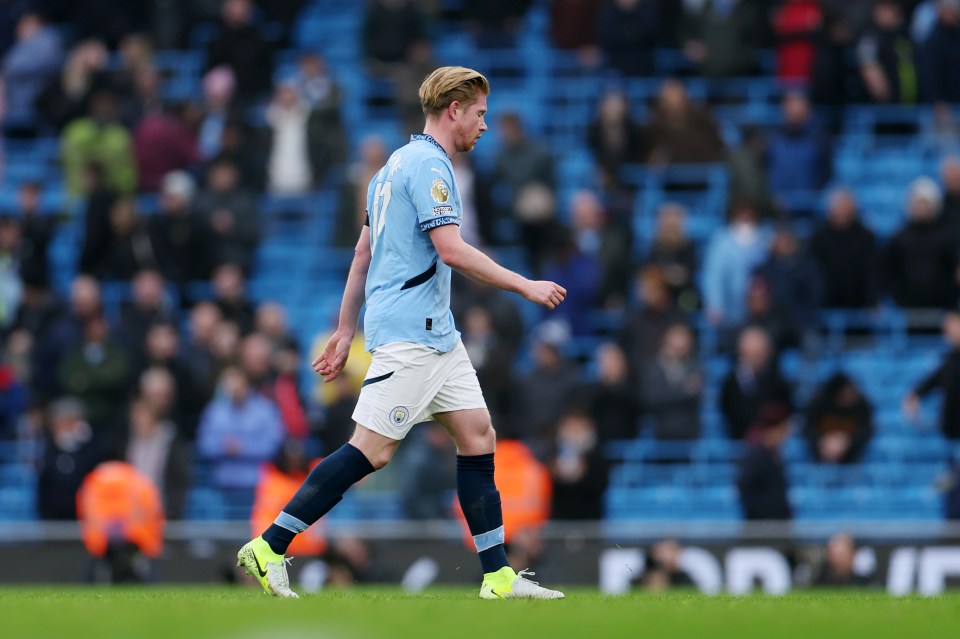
pixel 381 458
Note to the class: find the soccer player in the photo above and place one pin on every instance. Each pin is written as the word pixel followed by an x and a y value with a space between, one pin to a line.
pixel 420 370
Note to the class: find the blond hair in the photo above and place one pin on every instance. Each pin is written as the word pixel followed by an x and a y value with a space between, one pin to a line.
pixel 451 84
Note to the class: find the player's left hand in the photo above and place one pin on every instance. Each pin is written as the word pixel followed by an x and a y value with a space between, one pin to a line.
pixel 334 356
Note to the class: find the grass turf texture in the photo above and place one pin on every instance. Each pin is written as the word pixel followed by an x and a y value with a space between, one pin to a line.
pixel 241 613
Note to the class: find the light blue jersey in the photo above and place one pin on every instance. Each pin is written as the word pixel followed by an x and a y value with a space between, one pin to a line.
pixel 408 286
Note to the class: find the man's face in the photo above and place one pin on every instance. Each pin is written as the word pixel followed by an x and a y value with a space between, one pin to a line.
pixel 469 124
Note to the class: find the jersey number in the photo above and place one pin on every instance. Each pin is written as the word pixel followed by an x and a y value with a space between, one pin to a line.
pixel 381 200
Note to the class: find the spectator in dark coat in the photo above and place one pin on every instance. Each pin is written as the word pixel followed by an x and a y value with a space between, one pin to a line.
pixel 628 31
pixel 846 252
pixel 177 234
pixel 492 357
pixel 722 37
pixel 748 172
pixel 831 84
pixel 547 391
pixel 754 381
pixel 147 307
pixel 495 23
pixel 239 46
pixel 36 233
pixel 390 27
pixel 886 57
pixel 797 158
pixel 128 249
pixel 607 239
pixel 673 385
pixel 676 255
pixel 839 421
pixel 838 569
pixel 229 216
pixel 614 138
pixel 573 25
pixel 70 453
pixel 612 399
pixel 162 144
pixel 762 478
pixel 796 286
pixel 921 264
pixel 645 326
pixel 27 68
pixel 578 468
pixel 155 450
pixel 231 297
pixel 945 377
pixel 941 57
pixel 680 132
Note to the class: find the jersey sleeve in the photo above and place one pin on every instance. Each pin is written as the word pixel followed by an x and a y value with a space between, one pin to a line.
pixel 431 189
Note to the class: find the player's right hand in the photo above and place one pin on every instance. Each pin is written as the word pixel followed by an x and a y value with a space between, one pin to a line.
pixel 545 293
pixel 331 361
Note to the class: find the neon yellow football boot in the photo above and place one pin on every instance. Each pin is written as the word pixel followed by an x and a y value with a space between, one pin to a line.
pixel 506 584
pixel 267 567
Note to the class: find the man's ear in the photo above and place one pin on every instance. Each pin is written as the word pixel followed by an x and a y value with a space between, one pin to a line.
pixel 452 109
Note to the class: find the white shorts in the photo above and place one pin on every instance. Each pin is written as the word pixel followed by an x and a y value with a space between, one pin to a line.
pixel 409 383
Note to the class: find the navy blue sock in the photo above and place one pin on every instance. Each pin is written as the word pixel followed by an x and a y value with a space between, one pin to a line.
pixel 321 491
pixel 480 501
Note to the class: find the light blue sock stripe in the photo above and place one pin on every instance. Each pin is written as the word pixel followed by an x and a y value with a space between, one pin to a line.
pixel 488 540
pixel 290 522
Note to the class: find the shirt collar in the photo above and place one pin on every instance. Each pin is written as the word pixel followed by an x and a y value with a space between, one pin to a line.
pixel 429 138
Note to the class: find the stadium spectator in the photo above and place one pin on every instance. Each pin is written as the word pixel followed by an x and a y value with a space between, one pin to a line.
pixel 352 214
pixel 270 321
pixel 494 23
pixel 921 263
pixel 36 230
pixel 672 387
pixel 279 480
pixel 63 332
pixel 11 286
pixel 27 68
pixel 754 382
pixel 390 28
pixel 573 27
pixel 66 96
pixel 217 110
pixel 747 166
pixel 733 253
pixel 663 569
pixel 258 361
pixel 797 154
pixel 475 229
pixel 578 468
pixel 176 233
pixel 100 197
pixel 946 377
pixel 228 214
pixel 795 283
pixel 721 38
pixel 161 145
pixel 675 255
pixel 13 398
pixel 614 137
pixel 886 57
pixel 508 323
pixel 121 521
pixel 605 238
pixel 524 171
pixel 839 569
pixel 646 325
pixel 70 452
pixel 492 356
pixel 148 306
pixel 429 475
pixel 240 47
pixel 154 448
pixel 763 313
pixel 761 477
pixel 797 25
pixel 545 393
pixel 680 132
pixel 407 77
pixel 611 399
pixel 99 138
pixel 230 294
pixel 839 421
pixel 950 214
pixel 239 430
pixel 157 388
pixel 941 57
pixel 847 254
pixel 831 85
pixel 580 273
pixel 317 86
pixel 126 246
pixel 628 31
pixel 147 98
pixel 290 169
pixel 98 372
pixel 163 351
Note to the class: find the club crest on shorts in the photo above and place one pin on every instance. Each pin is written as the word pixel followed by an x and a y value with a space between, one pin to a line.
pixel 440 191
pixel 399 415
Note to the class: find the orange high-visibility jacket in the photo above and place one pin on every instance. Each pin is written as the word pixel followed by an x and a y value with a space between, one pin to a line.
pixel 116 500
pixel 274 490
pixel 525 490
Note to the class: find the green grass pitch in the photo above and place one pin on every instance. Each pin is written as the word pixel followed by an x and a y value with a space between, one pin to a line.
pixel 240 613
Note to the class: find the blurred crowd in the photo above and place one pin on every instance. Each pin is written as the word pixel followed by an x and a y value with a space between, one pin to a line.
pixel 188 369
